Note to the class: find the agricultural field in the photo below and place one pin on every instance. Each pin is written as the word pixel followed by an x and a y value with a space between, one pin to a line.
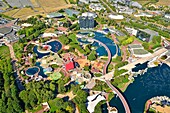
pixel 39 7
pixel 52 5
pixel 24 13
pixel 164 2
pixel 161 2
pixel 143 2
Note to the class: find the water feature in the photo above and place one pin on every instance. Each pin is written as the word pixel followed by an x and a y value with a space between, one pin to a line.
pixel 40 55
pixel 32 71
pixel 100 49
pixel 41 70
pixel 56 46
pixel 83 40
pixel 140 67
pixel 109 43
pixel 155 82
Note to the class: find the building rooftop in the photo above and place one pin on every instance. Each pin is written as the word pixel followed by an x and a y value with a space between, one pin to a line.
pixel 71 12
pixel 54 15
pixel 5 30
pixel 89 14
pixel 140 51
pixel 151 32
pixel 69 66
pixel 135 46
pixel 168 53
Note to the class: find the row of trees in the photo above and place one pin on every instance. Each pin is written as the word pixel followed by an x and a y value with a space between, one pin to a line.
pixel 9 100
pixel 149 26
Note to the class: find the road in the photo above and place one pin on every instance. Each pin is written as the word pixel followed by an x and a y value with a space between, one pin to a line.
pixel 107 6
pixel 114 89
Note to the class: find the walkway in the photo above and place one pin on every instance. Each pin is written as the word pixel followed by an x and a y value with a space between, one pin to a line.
pixel 144 59
pixel 16 72
pixel 114 89
pixel 107 6
pixel 11 49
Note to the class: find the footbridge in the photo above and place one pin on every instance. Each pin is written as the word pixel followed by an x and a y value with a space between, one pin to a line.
pixel 114 89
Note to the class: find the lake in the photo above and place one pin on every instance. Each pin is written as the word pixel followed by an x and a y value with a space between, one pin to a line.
pixel 155 82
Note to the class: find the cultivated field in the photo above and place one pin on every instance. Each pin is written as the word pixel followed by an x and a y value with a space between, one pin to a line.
pixel 39 7
pixel 164 2
pixel 24 13
pixel 161 2
pixel 142 2
pixel 52 5
pixel 34 3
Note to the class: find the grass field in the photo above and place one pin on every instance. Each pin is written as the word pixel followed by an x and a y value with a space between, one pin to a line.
pixel 4 52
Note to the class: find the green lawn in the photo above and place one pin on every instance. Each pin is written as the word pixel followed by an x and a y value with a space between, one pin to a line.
pixel 4 52
pixel 73 38
pixel 55 76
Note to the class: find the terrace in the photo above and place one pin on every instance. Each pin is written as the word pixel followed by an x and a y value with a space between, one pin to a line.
pixel 138 50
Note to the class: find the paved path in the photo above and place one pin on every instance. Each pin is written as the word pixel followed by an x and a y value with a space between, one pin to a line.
pixel 107 6
pixel 114 89
pixel 10 49
pixel 16 72
pixel 144 59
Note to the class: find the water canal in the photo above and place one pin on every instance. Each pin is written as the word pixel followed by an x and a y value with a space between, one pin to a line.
pixel 155 82
pixel 100 49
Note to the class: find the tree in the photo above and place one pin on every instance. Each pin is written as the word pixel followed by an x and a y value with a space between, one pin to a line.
pixel 145 45
pixel 52 86
pixel 92 56
pixel 156 39
pixel 69 109
pixel 128 41
pixel 87 68
pixel 64 40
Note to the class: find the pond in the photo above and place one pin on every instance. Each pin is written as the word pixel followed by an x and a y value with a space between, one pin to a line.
pixel 40 55
pixel 155 82
pixel 41 70
pixel 31 71
pixel 55 46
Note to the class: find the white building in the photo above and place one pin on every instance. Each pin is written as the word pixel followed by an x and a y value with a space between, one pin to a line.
pixel 48 35
pixel 85 1
pixel 94 1
pixel 167 16
pixel 131 31
pixel 116 17
pixel 96 6
pixel 143 14
pixel 89 14
pixel 123 9
pixel 136 4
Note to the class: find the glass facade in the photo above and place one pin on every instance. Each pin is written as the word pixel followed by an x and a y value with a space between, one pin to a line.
pixel 86 22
